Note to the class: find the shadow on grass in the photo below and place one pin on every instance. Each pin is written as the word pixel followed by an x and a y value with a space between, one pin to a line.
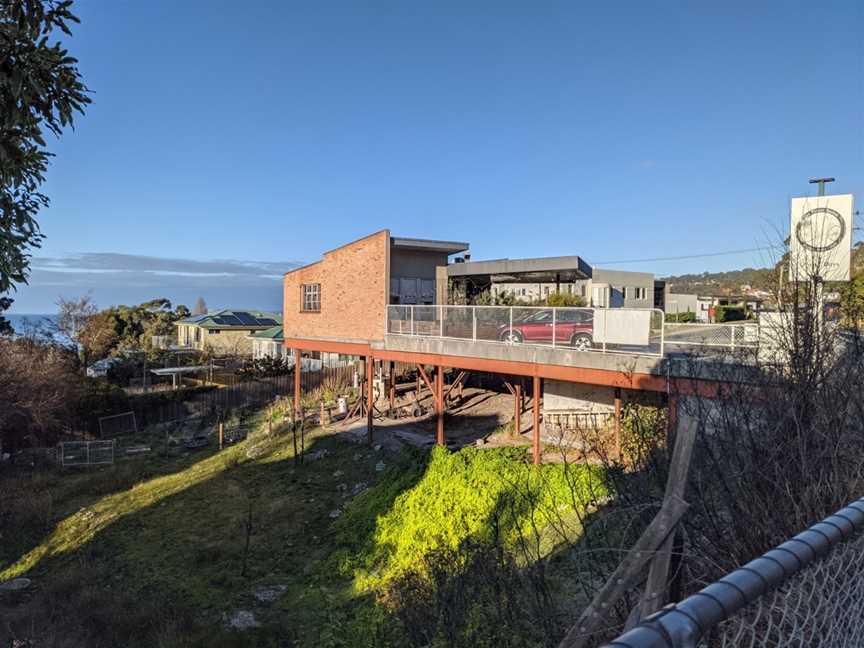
pixel 163 563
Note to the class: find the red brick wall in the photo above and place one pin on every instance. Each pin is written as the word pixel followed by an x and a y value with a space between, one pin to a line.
pixel 354 286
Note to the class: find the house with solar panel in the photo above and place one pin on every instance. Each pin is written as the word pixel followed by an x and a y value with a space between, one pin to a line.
pixel 225 332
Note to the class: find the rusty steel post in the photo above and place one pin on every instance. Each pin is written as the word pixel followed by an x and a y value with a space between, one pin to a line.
pixel 536 422
pixel 671 420
pixel 517 415
pixel 439 405
pixel 298 368
pixel 392 385
pixel 370 396
pixel 618 423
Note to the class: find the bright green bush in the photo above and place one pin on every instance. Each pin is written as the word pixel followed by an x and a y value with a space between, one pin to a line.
pixel 447 498
pixel 681 318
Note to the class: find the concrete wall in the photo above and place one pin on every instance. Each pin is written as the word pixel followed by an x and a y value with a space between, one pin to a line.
pixel 413 277
pixel 560 395
pixel 618 279
pixel 354 292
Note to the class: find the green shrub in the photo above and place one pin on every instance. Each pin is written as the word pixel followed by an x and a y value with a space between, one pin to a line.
pixel 681 318
pixel 560 299
pixel 445 499
pixel 730 313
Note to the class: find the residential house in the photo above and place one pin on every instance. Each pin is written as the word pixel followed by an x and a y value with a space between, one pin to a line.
pixel 268 343
pixel 224 332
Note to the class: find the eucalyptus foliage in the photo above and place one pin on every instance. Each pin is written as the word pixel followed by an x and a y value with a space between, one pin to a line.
pixel 41 91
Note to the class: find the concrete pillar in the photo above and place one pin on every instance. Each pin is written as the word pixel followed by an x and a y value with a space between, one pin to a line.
pixel 536 420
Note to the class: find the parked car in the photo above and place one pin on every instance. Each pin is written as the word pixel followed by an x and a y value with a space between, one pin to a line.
pixel 573 327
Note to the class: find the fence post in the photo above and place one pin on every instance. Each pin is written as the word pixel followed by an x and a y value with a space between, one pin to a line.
pixel 221 435
pixel 554 322
pixel 411 310
pixel 474 323
pixel 441 322
pixel 511 323
pixel 732 337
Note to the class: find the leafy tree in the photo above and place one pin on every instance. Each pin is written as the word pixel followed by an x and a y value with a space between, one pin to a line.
pixel 5 324
pixel 200 307
pixel 40 90
pixel 182 311
pixel 113 331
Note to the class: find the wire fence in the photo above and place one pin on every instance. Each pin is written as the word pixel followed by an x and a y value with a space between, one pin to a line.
pixel 809 591
pixel 86 453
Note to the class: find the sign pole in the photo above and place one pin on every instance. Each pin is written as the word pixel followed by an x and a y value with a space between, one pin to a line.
pixel 818 284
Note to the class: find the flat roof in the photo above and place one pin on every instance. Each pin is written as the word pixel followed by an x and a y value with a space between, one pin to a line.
pixel 429 245
pixel 168 371
pixel 542 269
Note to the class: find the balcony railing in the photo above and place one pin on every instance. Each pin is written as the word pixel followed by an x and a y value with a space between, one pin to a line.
pixel 607 330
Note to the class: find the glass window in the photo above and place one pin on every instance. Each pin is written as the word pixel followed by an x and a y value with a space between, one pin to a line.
pixel 311 297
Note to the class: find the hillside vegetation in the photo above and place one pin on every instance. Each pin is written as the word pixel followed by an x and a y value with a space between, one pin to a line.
pixel 249 547
pixel 730 282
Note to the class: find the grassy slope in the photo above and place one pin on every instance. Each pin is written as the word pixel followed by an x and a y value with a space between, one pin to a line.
pixel 153 549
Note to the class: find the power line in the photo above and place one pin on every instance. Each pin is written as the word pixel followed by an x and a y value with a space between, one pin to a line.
pixel 691 256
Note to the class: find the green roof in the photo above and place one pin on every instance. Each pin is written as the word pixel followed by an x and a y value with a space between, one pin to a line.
pixel 229 318
pixel 274 333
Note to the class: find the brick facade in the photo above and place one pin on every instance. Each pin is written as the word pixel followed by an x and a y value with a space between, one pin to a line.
pixel 354 283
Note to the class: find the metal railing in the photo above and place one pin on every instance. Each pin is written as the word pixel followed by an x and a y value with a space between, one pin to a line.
pixel 607 330
pixel 808 591
pixel 724 336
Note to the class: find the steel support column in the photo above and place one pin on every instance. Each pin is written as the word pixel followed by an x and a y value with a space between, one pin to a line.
pixel 370 396
pixel 392 381
pixel 536 421
pixel 298 368
pixel 517 413
pixel 671 419
pixel 618 423
pixel 439 405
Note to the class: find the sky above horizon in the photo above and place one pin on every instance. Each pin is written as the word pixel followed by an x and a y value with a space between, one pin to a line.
pixel 226 143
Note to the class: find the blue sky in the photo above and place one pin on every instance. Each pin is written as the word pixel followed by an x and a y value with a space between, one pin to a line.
pixel 265 133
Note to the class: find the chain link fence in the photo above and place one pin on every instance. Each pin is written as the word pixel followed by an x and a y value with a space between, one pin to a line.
pixel 809 591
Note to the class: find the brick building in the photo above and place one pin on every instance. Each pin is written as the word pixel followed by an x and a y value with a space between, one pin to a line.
pixel 344 296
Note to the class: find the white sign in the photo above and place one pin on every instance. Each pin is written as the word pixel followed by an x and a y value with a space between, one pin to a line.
pixel 820 240
pixel 619 326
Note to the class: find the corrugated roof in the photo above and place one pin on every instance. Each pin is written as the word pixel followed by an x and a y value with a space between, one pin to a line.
pixel 274 333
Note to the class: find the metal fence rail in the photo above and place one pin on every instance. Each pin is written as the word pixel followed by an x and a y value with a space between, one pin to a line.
pixel 607 330
pixel 808 591
pixel 726 336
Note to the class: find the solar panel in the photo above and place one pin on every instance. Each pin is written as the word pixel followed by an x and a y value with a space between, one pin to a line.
pixel 266 321
pixel 227 320
pixel 245 318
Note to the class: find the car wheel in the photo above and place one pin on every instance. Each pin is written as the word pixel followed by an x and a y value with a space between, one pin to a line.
pixel 511 337
pixel 582 342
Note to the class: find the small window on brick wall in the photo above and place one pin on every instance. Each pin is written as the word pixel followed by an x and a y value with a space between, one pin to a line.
pixel 311 298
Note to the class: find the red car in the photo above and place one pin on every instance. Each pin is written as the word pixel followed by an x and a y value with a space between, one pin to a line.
pixel 573 327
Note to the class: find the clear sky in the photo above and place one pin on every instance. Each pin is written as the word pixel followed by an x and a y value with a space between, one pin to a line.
pixel 271 131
